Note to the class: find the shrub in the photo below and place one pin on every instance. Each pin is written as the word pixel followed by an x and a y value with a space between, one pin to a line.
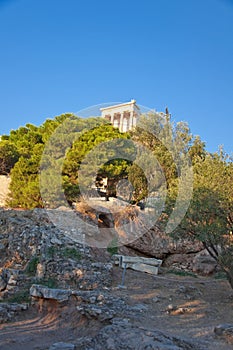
pixel 32 266
pixel 112 248
pixel 71 253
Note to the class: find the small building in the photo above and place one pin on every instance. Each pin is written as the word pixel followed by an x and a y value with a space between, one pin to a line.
pixel 123 116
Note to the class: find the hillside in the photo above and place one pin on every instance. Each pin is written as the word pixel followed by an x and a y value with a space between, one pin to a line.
pixel 54 289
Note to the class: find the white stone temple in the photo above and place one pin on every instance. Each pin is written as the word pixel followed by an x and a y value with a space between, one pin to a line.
pixel 123 116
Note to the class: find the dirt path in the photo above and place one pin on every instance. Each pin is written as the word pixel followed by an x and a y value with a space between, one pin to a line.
pixel 201 303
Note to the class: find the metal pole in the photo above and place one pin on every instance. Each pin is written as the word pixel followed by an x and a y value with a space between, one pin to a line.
pixel 123 277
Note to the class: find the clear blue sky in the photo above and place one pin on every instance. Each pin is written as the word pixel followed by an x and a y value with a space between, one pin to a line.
pixel 62 56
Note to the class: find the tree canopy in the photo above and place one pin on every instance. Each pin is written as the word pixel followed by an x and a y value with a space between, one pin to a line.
pixel 73 152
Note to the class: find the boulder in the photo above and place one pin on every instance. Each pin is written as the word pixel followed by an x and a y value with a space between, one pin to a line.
pixel 43 292
pixel 204 264
pixel 138 263
pixel 159 245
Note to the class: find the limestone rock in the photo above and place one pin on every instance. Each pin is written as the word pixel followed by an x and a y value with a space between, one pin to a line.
pixel 152 270
pixel 204 264
pixel 59 295
pixel 156 244
pixel 34 246
pixel 123 335
pixel 9 310
pixel 148 265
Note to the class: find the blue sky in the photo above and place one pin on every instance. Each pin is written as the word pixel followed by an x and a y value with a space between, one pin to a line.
pixel 62 56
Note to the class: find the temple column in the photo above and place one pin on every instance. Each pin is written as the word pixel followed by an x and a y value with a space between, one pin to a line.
pixel 121 122
pixel 130 120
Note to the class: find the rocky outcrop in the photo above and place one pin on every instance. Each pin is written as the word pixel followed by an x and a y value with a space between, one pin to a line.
pixel 43 292
pixel 119 333
pixel 8 311
pixel 122 335
pixel 32 246
pixel 34 249
pixel 96 304
pixel 63 274
pixel 157 244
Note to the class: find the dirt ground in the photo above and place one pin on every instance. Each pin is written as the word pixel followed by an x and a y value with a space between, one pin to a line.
pixel 197 305
pixel 178 305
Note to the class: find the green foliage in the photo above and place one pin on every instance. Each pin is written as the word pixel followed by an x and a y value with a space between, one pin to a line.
pixel 24 184
pixel 112 248
pixel 22 296
pixel 71 253
pixel 82 150
pixel 220 275
pixel 8 156
pixel 139 182
pixel 48 282
pixel 210 215
pixel 181 273
pixel 51 252
pixel 28 142
pixel 160 142
pixel 32 266
pixel 68 253
pixel 91 151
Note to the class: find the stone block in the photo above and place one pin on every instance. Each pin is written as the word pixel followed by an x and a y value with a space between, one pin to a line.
pixel 139 259
pixel 153 270
pixel 60 295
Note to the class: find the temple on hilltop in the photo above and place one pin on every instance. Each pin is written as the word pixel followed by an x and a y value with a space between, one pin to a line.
pixel 123 116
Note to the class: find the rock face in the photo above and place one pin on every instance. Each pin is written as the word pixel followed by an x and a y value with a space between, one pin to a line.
pixel 32 248
pixel 178 254
pixel 60 273
pixel 96 304
pixel 157 244
pixel 8 311
pixel 59 295
pixel 122 335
